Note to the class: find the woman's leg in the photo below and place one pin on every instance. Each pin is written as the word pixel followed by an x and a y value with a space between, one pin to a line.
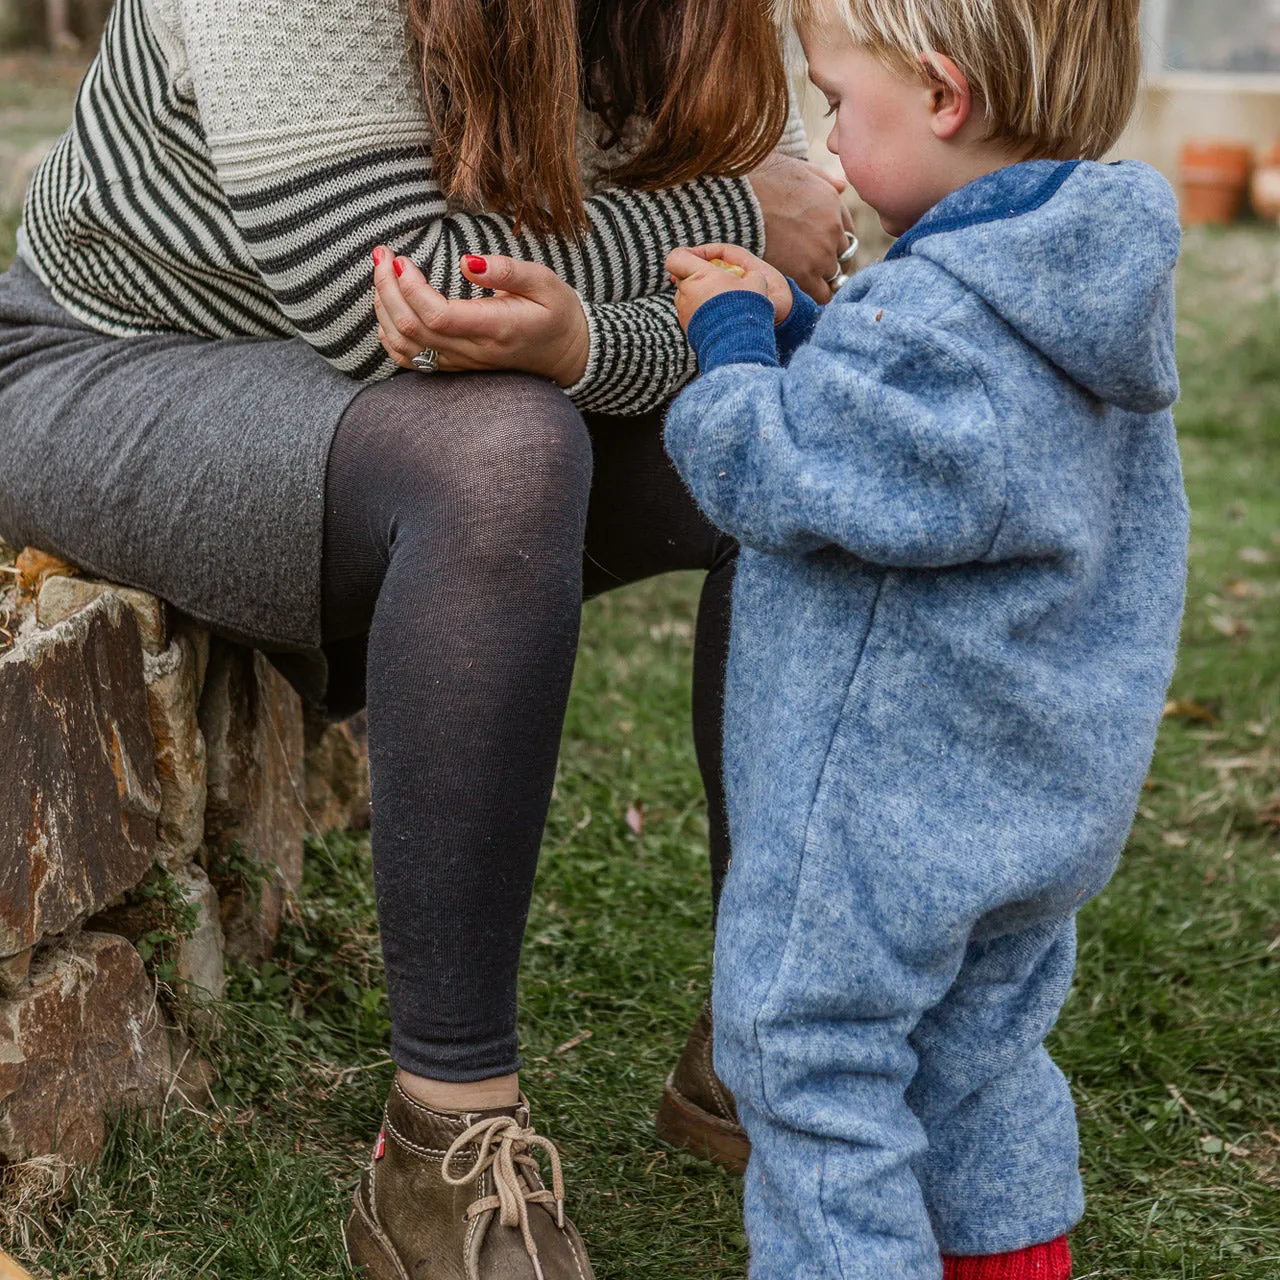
pixel 455 511
pixel 455 519
pixel 642 521
pixel 431 505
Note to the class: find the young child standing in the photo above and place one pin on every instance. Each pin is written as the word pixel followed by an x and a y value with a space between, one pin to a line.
pixel 963 534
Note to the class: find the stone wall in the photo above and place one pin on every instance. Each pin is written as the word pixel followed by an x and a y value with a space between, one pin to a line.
pixel 156 788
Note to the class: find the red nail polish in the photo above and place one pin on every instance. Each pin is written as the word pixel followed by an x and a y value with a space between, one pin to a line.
pixel 377 257
pixel 476 264
pixel 398 266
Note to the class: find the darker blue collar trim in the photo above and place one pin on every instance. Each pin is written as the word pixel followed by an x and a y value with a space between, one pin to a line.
pixel 1006 193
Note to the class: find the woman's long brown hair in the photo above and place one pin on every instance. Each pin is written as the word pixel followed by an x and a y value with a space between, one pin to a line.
pixel 505 80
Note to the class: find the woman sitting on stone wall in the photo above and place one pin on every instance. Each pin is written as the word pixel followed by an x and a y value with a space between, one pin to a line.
pixel 193 400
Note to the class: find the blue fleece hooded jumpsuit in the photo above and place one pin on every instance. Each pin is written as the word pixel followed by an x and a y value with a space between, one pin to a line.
pixel 963 535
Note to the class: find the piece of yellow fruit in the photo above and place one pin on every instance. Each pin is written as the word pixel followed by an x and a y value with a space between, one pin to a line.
pixel 729 267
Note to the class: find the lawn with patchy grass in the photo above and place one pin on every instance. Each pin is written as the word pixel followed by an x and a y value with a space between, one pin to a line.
pixel 1171 1040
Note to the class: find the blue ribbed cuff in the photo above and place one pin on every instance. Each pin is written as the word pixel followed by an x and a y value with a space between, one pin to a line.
pixel 798 327
pixel 733 328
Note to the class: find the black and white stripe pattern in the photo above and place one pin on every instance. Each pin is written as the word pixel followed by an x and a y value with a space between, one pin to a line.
pixel 125 221
pixel 194 193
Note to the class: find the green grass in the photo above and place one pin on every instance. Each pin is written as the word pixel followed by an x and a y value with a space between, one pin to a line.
pixel 1171 1040
pixel 36 93
pixel 9 220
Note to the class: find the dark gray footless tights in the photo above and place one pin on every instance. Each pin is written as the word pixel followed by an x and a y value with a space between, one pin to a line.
pixel 463 527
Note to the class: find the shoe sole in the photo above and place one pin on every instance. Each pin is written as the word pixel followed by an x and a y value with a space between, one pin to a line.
pixel 685 1124
pixel 368 1250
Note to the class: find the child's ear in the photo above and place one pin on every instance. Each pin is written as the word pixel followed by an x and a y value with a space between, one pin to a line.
pixel 949 99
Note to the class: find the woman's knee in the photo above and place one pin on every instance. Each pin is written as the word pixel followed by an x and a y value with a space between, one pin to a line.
pixel 487 453
pixel 528 439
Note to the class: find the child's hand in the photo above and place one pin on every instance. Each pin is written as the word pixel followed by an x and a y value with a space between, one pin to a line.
pixel 697 279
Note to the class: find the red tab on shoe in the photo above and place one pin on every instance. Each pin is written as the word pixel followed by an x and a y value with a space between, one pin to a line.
pixel 380 1150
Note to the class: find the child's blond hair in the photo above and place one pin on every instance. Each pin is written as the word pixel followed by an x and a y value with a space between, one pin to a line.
pixel 1055 78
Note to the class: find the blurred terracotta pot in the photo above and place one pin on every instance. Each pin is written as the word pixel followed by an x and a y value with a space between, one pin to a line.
pixel 1265 189
pixel 1214 176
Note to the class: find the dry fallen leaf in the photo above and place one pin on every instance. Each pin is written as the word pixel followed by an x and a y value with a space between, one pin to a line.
pixel 1227 763
pixel 1242 589
pixel 574 1041
pixel 34 567
pixel 1178 839
pixel 1185 709
pixel 1254 555
pixel 635 818
pixel 1224 624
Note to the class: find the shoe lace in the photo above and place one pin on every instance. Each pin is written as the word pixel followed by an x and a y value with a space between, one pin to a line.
pixel 504 1146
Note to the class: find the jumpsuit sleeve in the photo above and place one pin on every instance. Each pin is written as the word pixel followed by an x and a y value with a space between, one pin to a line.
pixel 879 437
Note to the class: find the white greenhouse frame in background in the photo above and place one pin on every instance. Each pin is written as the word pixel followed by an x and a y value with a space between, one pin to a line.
pixel 1156 16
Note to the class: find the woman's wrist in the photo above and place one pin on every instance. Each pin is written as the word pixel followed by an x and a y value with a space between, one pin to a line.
pixel 756 241
pixel 572 365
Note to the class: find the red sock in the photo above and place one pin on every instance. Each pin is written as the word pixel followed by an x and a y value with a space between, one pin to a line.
pixel 1050 1261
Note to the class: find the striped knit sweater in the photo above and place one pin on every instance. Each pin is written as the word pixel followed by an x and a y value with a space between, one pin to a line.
pixel 231 163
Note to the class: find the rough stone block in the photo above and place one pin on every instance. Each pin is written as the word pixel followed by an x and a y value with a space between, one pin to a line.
pixel 60 597
pixel 13 973
pixel 254 820
pixel 337 766
pixel 180 921
pixel 78 795
pixel 200 956
pixel 81 1039
pixel 174 679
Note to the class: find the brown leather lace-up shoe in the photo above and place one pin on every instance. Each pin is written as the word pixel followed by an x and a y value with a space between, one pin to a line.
pixel 459 1196
pixel 697 1112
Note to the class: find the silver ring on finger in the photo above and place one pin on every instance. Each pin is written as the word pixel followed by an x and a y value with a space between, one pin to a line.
pixel 427 360
pixel 836 282
pixel 845 256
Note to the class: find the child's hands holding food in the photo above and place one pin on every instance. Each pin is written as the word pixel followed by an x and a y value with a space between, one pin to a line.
pixel 701 272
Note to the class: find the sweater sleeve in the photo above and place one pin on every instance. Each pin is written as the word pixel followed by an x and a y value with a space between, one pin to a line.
pixel 319 137
pixel 879 438
pixel 799 325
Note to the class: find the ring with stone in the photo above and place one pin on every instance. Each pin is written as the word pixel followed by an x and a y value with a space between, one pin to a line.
pixel 850 248
pixel 427 360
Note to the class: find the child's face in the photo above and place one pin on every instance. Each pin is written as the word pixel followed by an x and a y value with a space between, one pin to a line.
pixel 881 125
pixel 905 139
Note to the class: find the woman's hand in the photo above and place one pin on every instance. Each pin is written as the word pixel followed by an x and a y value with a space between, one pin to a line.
pixel 804 221
pixel 698 279
pixel 534 323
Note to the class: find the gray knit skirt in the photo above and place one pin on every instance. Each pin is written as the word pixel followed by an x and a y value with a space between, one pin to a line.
pixel 191 467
